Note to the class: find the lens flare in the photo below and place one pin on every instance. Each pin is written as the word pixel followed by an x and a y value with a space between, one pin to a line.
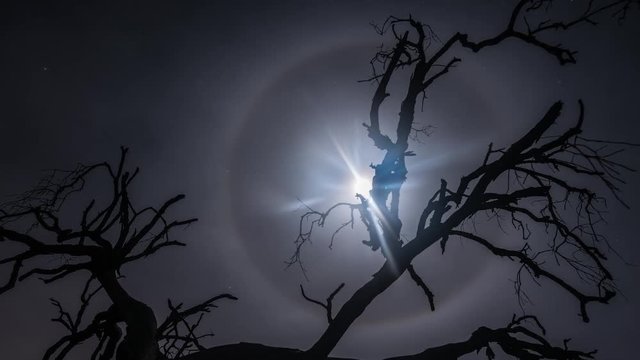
pixel 361 185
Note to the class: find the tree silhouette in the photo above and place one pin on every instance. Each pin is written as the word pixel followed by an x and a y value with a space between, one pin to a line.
pixel 531 181
pixel 536 184
pixel 112 233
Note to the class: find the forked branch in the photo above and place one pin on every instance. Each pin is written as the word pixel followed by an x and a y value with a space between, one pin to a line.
pixel 178 335
pixel 328 305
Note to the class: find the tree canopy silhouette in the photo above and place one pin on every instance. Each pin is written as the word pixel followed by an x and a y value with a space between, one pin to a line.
pixel 112 233
pixel 546 184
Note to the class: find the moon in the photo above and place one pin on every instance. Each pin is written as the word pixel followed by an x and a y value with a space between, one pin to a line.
pixel 360 185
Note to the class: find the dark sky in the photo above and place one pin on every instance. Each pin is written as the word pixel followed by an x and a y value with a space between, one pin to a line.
pixel 247 106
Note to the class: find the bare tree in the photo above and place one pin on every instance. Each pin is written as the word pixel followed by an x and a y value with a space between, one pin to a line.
pixel 537 179
pixel 532 181
pixel 112 233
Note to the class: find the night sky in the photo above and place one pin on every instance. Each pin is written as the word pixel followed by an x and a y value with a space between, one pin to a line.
pixel 249 108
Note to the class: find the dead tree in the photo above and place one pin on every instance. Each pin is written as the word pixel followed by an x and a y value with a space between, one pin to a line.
pixel 532 181
pixel 112 232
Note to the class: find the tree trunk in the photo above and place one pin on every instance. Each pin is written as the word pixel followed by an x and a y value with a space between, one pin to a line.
pixel 387 275
pixel 140 341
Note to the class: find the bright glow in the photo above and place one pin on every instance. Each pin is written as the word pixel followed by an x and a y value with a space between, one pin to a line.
pixel 361 186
